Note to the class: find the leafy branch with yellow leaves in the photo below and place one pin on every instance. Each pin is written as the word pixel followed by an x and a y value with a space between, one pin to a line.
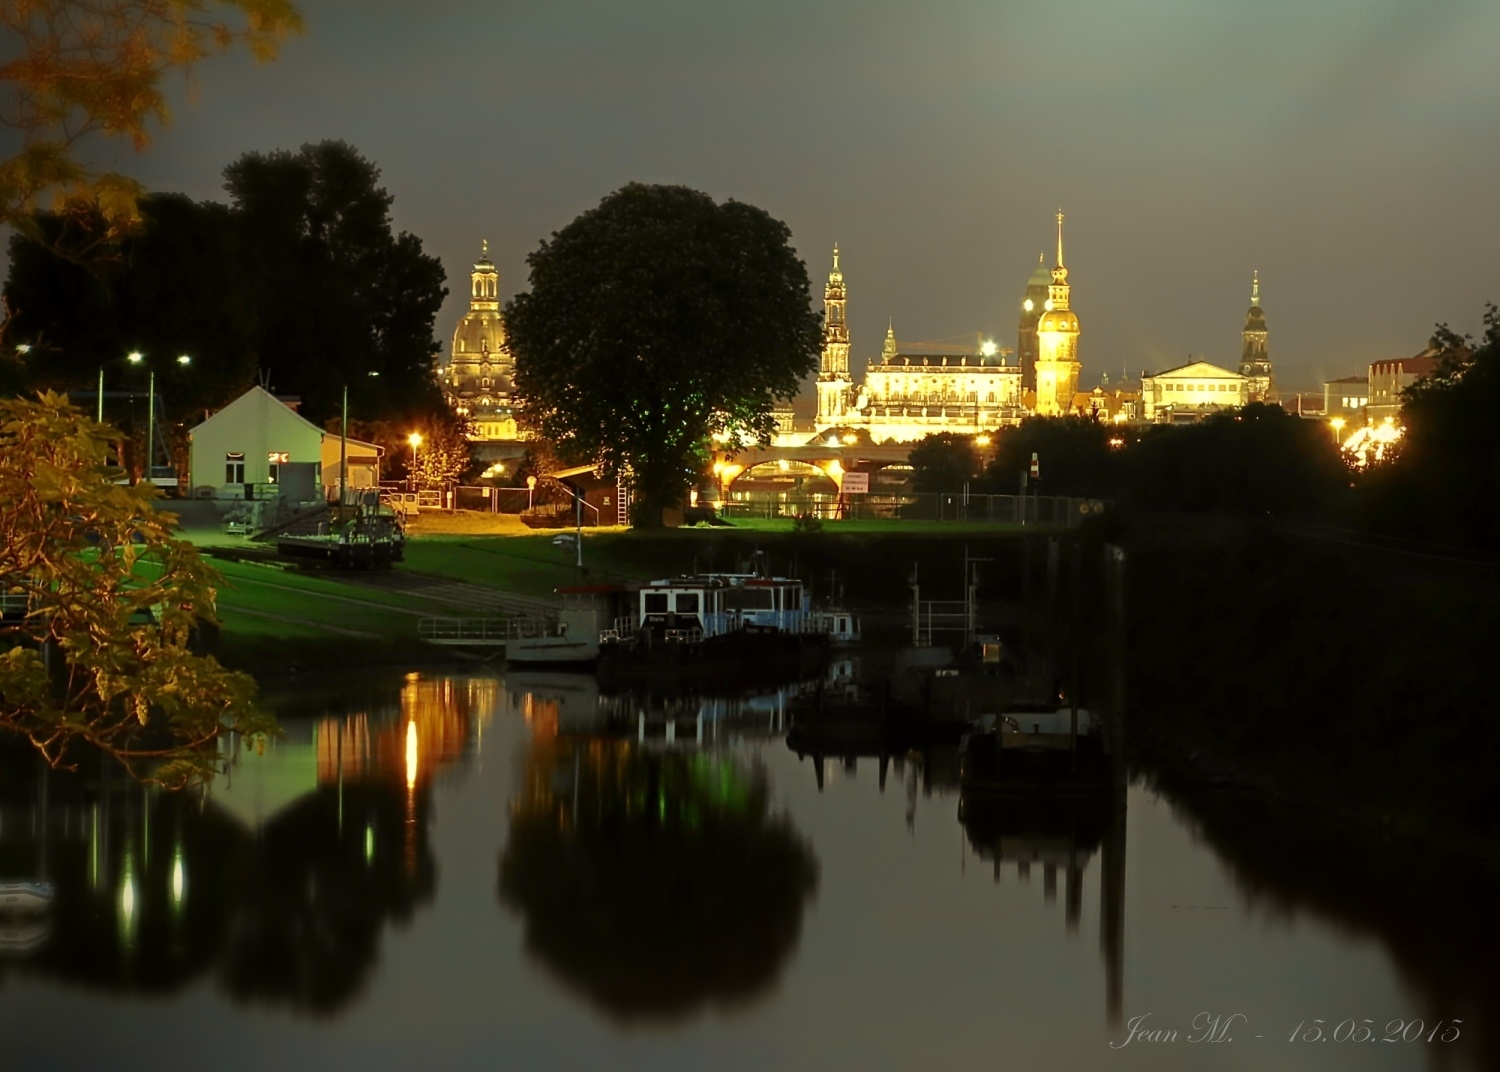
pixel 101 605
pixel 75 69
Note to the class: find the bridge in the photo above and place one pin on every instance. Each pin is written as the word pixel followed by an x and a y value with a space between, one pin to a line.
pixel 832 459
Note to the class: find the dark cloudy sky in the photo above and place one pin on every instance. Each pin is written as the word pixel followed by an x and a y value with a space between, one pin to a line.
pixel 1348 149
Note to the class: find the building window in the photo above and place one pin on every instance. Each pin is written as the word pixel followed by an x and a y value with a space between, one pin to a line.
pixel 234 468
pixel 274 461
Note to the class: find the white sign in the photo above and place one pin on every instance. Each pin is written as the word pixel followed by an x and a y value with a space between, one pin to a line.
pixel 856 484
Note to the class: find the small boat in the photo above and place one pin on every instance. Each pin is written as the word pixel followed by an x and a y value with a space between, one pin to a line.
pixel 1035 748
pixel 17 897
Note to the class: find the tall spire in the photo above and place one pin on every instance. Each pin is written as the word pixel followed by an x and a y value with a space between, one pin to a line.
pixel 484 249
pixel 1059 238
pixel 1255 288
pixel 835 256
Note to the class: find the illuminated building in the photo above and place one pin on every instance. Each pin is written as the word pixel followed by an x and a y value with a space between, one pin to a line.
pixel 1388 379
pixel 1345 397
pixel 1057 343
pixel 478 378
pixel 834 386
pixel 1255 359
pixel 1032 304
pixel 1190 392
pixel 912 392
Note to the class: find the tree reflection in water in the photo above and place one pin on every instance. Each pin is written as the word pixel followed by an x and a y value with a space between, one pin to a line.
pixel 654 882
pixel 154 890
pixel 1435 914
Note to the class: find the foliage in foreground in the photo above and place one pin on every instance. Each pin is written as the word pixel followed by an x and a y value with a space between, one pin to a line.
pixel 101 603
pixel 77 69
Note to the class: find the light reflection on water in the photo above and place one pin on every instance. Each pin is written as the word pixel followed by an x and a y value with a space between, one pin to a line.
pixel 535 874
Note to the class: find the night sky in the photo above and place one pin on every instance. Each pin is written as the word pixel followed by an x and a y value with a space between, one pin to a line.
pixel 1346 148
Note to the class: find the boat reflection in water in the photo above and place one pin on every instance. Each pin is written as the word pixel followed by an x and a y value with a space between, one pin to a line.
pixel 653 876
pixel 278 884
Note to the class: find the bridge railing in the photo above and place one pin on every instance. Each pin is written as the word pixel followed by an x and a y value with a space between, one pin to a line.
pixel 1055 511
pixel 481 630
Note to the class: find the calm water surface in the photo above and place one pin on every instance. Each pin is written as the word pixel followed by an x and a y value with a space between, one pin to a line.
pixel 493 872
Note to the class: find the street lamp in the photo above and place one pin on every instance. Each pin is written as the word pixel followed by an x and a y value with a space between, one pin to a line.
pixel 135 357
pixel 1337 424
pixel 415 439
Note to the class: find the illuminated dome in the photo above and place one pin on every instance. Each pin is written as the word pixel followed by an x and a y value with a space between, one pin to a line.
pixel 479 333
pixel 1058 320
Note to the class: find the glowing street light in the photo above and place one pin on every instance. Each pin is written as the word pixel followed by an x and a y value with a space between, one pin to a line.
pixel 988 348
pixel 415 439
pixel 981 440
pixel 1337 424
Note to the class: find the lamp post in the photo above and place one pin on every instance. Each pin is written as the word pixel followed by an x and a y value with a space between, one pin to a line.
pixel 415 439
pixel 1337 424
pixel 135 357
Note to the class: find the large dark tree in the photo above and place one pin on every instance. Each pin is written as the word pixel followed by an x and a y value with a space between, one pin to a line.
pixel 1074 456
pixel 176 286
pixel 943 462
pixel 340 296
pixel 1444 483
pixel 1257 461
pixel 654 321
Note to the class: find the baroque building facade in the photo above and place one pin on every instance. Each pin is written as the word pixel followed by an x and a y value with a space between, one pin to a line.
pixel 479 377
pixel 1057 332
pixel 909 393
pixel 1255 355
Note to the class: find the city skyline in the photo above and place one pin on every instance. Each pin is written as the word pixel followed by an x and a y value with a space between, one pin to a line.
pixel 1188 147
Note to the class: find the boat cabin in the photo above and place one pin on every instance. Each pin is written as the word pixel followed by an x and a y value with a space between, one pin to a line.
pixel 713 604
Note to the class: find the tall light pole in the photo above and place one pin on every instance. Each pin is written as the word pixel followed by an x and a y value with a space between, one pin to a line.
pixel 135 357
pixel 415 439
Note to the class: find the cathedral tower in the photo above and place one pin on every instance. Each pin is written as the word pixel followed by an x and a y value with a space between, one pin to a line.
pixel 1031 312
pixel 833 372
pixel 1057 342
pixel 480 368
pixel 1255 358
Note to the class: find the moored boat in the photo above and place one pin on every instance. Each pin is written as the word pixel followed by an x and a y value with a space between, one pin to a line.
pixel 729 619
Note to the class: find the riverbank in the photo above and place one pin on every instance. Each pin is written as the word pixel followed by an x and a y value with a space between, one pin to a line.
pixel 1344 684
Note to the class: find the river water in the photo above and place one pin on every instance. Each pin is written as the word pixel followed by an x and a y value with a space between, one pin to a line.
pixel 437 871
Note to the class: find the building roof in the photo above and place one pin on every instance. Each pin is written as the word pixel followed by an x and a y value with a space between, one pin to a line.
pixel 1348 379
pixel 260 396
pixel 1422 365
pixel 1197 370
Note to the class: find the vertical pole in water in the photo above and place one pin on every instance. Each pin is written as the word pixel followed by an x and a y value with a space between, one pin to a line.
pixel 916 609
pixel 1053 553
pixel 1112 871
pixel 1074 638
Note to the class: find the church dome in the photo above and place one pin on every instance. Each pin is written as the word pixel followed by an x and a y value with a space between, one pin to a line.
pixel 479 332
pixel 1058 320
pixel 1041 276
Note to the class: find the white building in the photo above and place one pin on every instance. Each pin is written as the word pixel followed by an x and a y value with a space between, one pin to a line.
pixel 246 444
pixel 1191 392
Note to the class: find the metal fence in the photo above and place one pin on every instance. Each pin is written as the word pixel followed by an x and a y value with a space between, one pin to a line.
pixel 1055 511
